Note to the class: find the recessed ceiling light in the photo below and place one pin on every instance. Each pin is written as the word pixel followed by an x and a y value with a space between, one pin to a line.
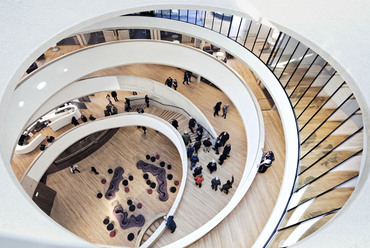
pixel 41 85
pixel 21 103
pixel 65 69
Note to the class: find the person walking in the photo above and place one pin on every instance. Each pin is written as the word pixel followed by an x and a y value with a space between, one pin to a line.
pixel 147 101
pixel 109 99
pixel 175 84
pixel 227 186
pixel 73 169
pixel 193 160
pixel 191 124
pixel 266 162
pixel 144 129
pixel 186 78
pixel 207 145
pixel 217 108
pixel 186 137
pixel 94 170
pixel 114 95
pixel 190 150
pixel 197 145
pixel 197 171
pixel 198 180
pixel 212 166
pixel 215 182
pixel 109 108
pixel 175 123
pixel 225 108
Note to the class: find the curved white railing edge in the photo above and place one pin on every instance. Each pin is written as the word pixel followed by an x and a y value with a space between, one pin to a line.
pixel 268 79
pixel 120 82
pixel 120 120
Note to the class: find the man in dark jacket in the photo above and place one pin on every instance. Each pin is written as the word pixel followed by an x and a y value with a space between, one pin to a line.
pixel 228 185
pixel 192 124
pixel 217 108
pixel 170 223
pixel 207 144
pixel 197 145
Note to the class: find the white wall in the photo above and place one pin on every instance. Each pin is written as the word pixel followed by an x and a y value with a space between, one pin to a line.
pixel 323 26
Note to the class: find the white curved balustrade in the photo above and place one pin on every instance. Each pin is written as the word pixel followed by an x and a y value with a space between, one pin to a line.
pixel 321 28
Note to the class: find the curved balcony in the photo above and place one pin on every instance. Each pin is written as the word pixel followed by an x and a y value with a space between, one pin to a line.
pixel 345 138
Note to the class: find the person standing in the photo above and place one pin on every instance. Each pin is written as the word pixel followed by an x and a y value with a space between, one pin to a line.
pixel 175 84
pixel 193 160
pixel 221 159
pixel 215 182
pixel 75 121
pixel 192 122
pixel 170 223
pixel 190 150
pixel 50 139
pixel 83 118
pixel 186 137
pixel 175 123
pixel 197 171
pixel 200 128
pixel 92 118
pixel 217 145
pixel 73 169
pixel 147 101
pixel 199 136
pixel 169 82
pixel 217 108
pixel 109 108
pixel 207 144
pixel 197 145
pixel 224 136
pixel 144 129
pixel 225 108
pixel 128 102
pixel 198 180
pixel 227 150
pixel 108 98
pixel 227 186
pixel 212 166
pixel 114 95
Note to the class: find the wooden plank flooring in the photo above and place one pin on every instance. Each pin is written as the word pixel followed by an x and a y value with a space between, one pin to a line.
pixel 79 210
pixel 248 217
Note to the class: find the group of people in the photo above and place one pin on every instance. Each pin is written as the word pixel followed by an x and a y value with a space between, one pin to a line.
pixel 217 109
pixel 171 82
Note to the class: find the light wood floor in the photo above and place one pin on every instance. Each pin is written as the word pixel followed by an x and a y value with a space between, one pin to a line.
pixel 252 213
pixel 76 206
